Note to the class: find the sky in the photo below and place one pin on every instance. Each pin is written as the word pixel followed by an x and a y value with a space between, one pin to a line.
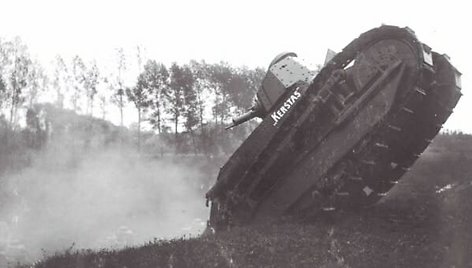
pixel 242 32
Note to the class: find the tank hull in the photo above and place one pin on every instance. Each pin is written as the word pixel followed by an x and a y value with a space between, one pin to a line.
pixel 343 139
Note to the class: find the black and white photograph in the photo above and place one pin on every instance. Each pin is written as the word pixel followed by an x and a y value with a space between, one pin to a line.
pixel 205 133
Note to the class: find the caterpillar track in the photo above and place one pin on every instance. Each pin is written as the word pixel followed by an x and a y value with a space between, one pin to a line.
pixel 341 139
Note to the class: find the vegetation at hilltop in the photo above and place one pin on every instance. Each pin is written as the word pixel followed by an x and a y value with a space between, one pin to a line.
pixel 189 103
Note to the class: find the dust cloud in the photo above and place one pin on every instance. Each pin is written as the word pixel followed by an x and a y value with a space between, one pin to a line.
pixel 99 199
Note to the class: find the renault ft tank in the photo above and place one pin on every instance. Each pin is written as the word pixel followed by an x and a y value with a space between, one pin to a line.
pixel 340 139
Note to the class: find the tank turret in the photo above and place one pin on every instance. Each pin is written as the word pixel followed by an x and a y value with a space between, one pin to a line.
pixel 283 73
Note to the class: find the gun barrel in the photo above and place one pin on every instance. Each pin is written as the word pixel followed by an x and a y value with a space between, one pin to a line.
pixel 243 118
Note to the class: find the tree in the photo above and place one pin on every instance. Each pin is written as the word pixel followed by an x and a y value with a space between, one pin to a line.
pixel 201 82
pixel 37 82
pixel 18 81
pixel 190 99
pixel 3 86
pixel 139 57
pixel 118 99
pixel 190 109
pixel 3 89
pixel 79 78
pixel 102 102
pixel 155 79
pixel 242 87
pixel 220 76
pixel 174 95
pixel 61 80
pixel 16 65
pixel 140 95
pixel 119 92
pixel 92 78
pixel 181 80
pixel 104 95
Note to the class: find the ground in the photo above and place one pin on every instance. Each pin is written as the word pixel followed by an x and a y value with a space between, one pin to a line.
pixel 425 221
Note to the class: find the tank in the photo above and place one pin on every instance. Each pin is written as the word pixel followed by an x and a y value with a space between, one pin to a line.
pixel 340 138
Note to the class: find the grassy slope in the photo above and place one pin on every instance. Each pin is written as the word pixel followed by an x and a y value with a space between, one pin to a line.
pixel 414 226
